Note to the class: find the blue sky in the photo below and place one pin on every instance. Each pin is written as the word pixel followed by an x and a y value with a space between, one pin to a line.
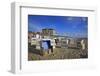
pixel 71 25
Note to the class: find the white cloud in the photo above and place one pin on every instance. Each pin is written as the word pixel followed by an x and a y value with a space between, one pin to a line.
pixel 84 18
pixel 34 27
pixel 70 18
pixel 74 26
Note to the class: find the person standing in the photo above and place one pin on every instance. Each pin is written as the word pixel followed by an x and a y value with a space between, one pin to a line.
pixel 45 47
pixel 83 44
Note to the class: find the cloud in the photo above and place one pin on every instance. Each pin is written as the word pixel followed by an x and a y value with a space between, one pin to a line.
pixel 70 18
pixel 84 18
pixel 34 27
pixel 74 26
pixel 86 26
